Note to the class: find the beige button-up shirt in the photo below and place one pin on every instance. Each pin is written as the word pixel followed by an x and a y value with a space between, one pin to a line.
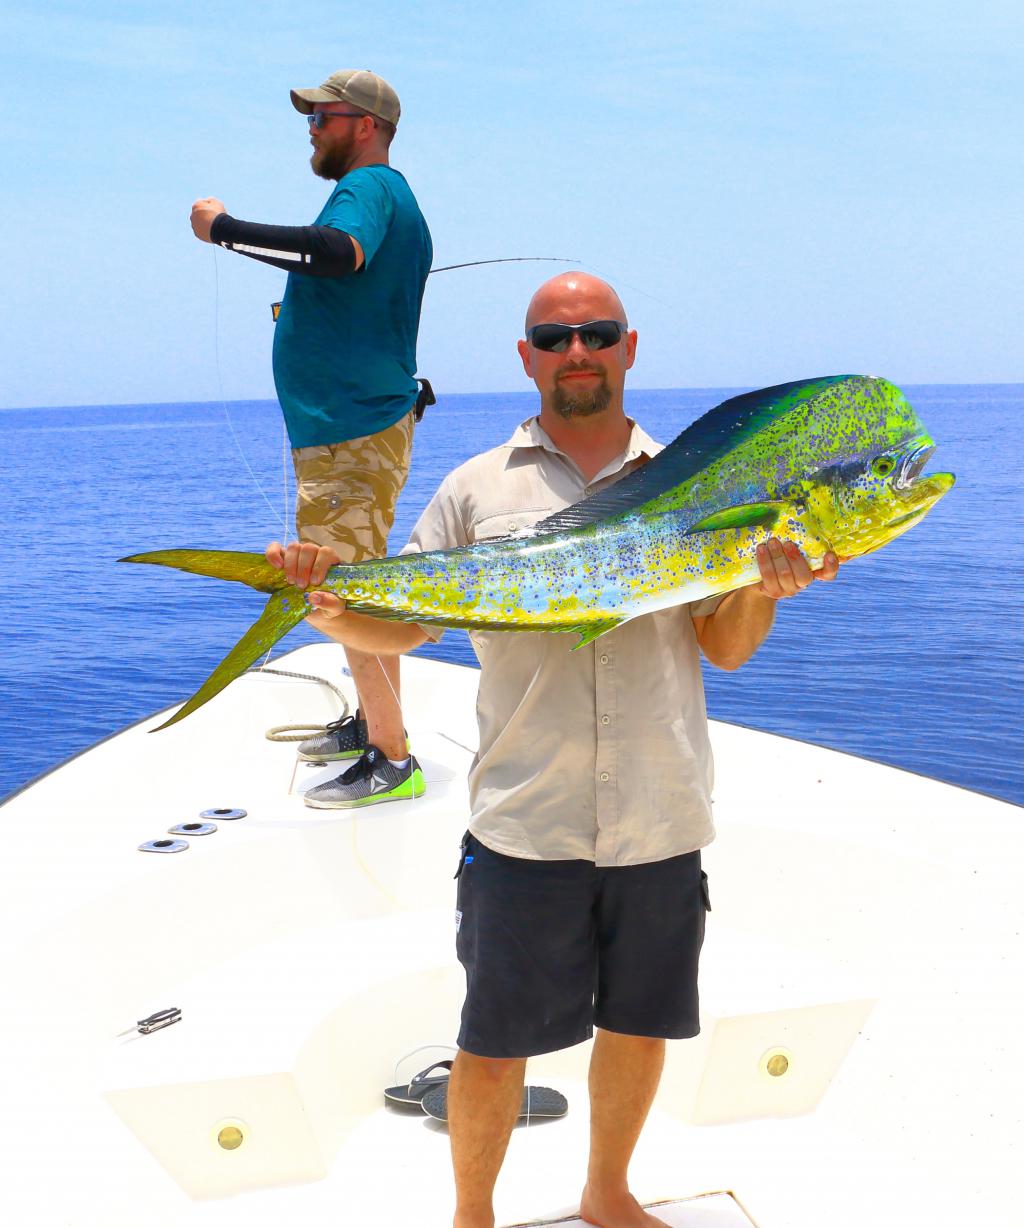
pixel 600 754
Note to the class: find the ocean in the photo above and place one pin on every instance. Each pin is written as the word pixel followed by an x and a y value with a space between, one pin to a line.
pixel 913 657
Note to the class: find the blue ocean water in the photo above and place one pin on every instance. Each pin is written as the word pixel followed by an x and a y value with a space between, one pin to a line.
pixel 913 657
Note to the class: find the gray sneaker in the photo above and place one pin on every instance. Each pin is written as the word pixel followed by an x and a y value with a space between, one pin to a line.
pixel 373 778
pixel 344 739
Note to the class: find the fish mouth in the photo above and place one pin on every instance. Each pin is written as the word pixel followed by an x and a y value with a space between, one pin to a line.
pixel 921 491
pixel 912 464
pixel 912 483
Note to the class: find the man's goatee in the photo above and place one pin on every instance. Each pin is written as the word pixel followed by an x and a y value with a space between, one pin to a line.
pixel 581 404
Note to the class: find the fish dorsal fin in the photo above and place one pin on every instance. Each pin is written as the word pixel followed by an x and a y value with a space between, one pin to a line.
pixel 713 435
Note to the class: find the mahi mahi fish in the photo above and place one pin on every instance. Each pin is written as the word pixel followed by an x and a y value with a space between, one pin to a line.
pixel 832 464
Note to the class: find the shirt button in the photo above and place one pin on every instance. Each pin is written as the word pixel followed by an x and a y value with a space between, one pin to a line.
pixel 605 720
pixel 512 527
pixel 587 489
pixel 604 777
pixel 604 660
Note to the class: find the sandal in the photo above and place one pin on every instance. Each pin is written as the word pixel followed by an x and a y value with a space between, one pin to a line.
pixel 537 1102
pixel 419 1085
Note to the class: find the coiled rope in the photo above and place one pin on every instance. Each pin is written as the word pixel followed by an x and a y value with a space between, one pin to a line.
pixel 297 733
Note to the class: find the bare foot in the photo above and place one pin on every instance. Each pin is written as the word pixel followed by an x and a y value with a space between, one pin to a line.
pixel 616 1210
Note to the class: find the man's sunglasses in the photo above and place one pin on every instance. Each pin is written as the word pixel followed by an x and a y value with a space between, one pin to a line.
pixel 595 335
pixel 319 118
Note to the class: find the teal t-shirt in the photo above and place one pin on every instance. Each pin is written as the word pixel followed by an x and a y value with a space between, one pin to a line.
pixel 345 347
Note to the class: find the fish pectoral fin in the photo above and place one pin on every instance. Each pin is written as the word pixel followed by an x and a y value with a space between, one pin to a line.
pixel 284 610
pixel 588 632
pixel 742 516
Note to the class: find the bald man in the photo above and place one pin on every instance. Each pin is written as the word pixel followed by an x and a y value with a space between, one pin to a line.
pixel 581 899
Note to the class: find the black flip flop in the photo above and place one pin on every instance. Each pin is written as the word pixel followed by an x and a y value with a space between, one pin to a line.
pixel 537 1102
pixel 412 1093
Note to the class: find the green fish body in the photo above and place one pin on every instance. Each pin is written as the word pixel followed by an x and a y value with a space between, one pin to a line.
pixel 585 580
pixel 834 465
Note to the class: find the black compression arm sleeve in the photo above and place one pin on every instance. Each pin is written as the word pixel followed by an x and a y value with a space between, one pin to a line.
pixel 317 251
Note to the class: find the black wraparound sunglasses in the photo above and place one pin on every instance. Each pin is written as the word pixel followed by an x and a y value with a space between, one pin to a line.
pixel 595 335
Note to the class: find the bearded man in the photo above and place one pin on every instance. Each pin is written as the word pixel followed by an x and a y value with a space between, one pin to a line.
pixel 344 369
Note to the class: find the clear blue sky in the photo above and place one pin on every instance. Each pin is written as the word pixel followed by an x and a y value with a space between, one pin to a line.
pixel 778 189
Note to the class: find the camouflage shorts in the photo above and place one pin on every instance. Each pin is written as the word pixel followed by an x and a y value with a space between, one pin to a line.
pixel 347 491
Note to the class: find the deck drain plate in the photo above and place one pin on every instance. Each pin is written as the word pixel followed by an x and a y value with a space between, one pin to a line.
pixel 164 846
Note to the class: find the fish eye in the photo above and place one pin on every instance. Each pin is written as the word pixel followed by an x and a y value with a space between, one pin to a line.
pixel 882 466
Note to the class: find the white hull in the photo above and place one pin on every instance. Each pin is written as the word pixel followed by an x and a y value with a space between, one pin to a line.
pixel 867 926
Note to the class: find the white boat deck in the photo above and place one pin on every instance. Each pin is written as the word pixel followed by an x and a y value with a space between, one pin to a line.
pixel 865 938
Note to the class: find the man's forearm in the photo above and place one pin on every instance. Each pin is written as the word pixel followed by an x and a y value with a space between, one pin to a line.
pixel 317 251
pixel 731 636
pixel 367 634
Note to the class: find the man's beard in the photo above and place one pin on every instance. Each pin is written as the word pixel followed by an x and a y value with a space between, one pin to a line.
pixel 582 402
pixel 332 163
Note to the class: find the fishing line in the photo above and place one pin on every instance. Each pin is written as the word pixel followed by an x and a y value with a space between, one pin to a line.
pixel 618 281
pixel 284 480
pixel 223 401
pixel 234 435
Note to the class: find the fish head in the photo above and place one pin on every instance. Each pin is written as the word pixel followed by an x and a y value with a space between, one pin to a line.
pixel 869 499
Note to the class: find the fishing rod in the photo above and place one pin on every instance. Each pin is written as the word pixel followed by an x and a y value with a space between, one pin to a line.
pixel 469 264
pixel 275 308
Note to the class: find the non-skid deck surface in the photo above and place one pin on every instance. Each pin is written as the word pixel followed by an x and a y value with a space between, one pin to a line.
pixel 719 1210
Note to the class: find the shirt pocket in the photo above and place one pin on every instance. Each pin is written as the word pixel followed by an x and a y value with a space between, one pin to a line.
pixel 509 523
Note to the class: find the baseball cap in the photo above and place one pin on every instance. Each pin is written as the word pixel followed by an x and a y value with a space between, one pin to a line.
pixel 360 87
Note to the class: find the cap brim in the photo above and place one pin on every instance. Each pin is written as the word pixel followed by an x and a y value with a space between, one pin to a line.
pixel 305 100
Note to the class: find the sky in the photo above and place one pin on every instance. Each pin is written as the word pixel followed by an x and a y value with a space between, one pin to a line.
pixel 778 190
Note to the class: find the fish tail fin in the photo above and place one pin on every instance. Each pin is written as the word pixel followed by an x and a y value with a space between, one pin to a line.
pixel 245 568
pixel 285 609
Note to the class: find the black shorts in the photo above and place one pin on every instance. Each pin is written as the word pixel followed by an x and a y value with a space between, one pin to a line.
pixel 552 949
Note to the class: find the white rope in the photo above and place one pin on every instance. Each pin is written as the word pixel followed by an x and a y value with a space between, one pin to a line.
pixel 287 733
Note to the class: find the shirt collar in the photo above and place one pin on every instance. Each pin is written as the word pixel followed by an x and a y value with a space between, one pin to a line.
pixel 530 434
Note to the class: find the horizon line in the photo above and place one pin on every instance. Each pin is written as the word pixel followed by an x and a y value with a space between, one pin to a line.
pixel 491 393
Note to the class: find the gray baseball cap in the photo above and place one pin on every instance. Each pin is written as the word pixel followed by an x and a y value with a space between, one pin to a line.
pixel 358 86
